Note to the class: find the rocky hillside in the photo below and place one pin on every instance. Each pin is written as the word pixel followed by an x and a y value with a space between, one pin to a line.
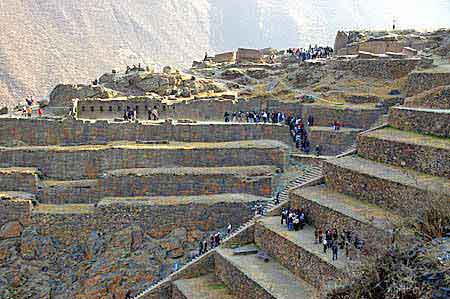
pixel 49 42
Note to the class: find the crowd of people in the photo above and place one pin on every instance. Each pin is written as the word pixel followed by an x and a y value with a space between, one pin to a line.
pixel 315 52
pixel 330 238
pixel 254 117
pixel 130 114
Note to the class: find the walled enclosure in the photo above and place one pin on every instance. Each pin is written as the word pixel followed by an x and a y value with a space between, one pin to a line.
pixel 214 109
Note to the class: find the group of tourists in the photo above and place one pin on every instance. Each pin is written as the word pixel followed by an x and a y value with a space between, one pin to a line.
pixel 255 117
pixel 330 239
pixel 27 109
pixel 295 219
pixel 214 241
pixel 315 52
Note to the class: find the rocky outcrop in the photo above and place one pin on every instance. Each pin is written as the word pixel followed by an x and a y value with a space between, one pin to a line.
pixel 63 94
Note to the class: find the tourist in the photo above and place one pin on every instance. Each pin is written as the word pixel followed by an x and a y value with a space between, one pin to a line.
pixel 212 242
pixel 128 295
pixel 200 249
pixel 318 150
pixel 334 249
pixel 284 215
pixel 205 246
pixel 229 229
pixel 226 117
pixel 325 245
pixel 40 112
pixel 29 111
pixel 277 199
pixel 296 223
pixel 155 113
pixel 310 121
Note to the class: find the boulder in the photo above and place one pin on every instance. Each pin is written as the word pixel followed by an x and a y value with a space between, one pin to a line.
pixel 167 70
pixel 341 40
pixel 63 94
pixel 3 110
pixel 231 74
pixel 11 229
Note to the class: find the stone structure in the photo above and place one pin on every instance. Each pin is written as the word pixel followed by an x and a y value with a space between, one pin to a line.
pixel 248 55
pixel 227 57
pixel 421 81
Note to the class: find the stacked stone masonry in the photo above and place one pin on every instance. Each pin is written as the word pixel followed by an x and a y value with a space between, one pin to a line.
pixel 422 153
pixel 386 186
pixel 424 121
pixel 187 181
pixel 18 179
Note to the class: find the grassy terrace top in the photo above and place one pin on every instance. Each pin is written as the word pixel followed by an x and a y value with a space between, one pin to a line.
pixel 181 200
pixel 64 209
pixel 429 110
pixel 192 171
pixel 330 129
pixel 15 195
pixel 262 144
pixel 394 135
pixel 21 170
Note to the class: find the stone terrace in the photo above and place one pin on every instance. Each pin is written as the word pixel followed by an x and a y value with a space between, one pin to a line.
pixel 395 174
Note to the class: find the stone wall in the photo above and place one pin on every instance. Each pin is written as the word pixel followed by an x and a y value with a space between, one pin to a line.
pixel 74 163
pixel 422 158
pixel 18 179
pixel 15 131
pixel 332 142
pixel 324 116
pixel 13 209
pixel 389 69
pixel 252 55
pixel 69 192
pixel 421 81
pixel 214 110
pixel 403 199
pixel 381 46
pixel 298 260
pixel 187 181
pixel 432 122
pixel 326 217
pixel 228 57
pixel 241 285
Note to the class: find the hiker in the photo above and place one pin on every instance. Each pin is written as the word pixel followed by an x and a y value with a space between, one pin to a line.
pixel 155 113
pixel 226 116
pixel 205 246
pixel 40 112
pixel 296 224
pixel 320 232
pixel 325 245
pixel 334 249
pixel 277 199
pixel 200 249
pixel 284 214
pixel 318 150
pixel 229 228
pixel 310 121
pixel 212 244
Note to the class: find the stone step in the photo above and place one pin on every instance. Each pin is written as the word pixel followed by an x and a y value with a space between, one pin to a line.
pixel 327 208
pixel 250 277
pixel 168 181
pixel 68 192
pixel 203 287
pixel 22 179
pixel 421 120
pixel 90 161
pixel 399 190
pixel 297 251
pixel 422 153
